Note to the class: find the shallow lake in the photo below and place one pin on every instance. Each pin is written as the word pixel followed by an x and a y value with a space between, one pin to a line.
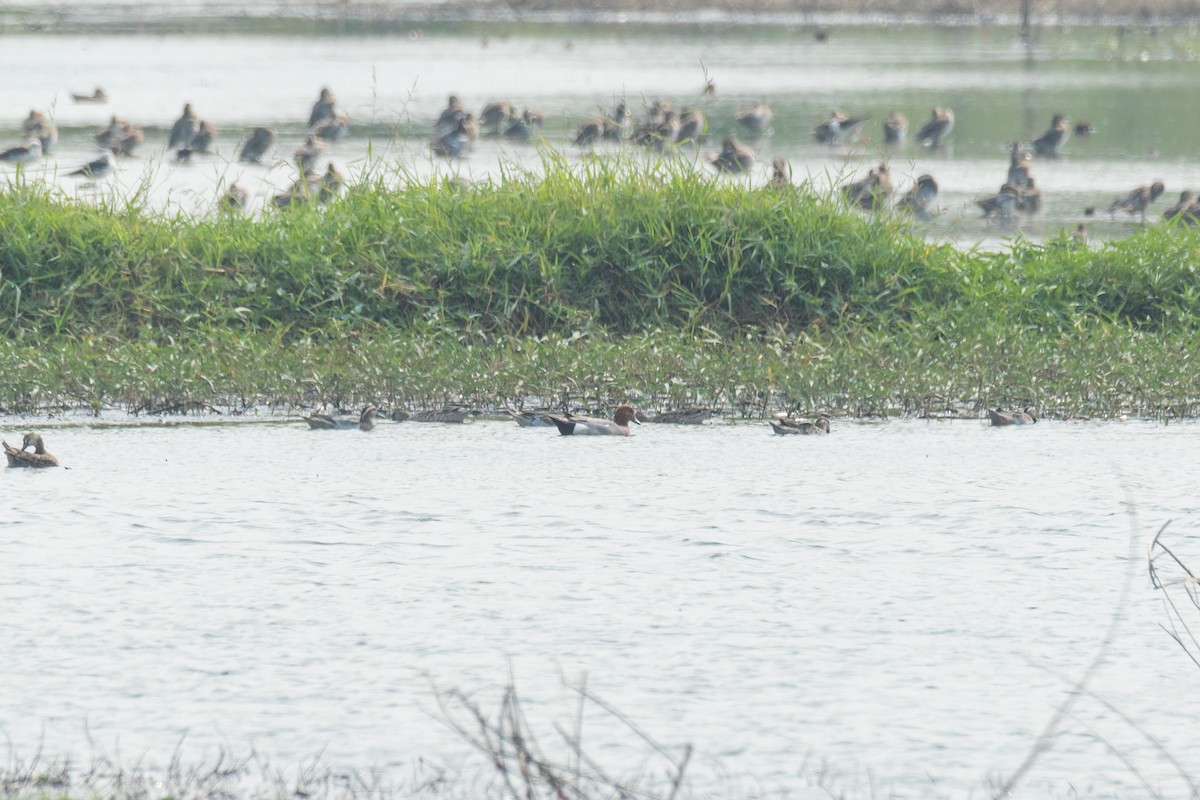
pixel 1134 85
pixel 905 602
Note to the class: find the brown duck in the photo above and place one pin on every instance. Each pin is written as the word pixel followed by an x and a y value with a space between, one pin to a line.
pixel 21 458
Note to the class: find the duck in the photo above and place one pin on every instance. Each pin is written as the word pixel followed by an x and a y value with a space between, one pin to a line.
pixel 453 414
pixel 38 126
pixel 680 416
pixel 756 119
pixel 1055 137
pixel 1137 200
pixel 234 198
pixel 306 155
pixel 618 122
pixel 1002 204
pixel 1029 198
pixel 1028 416
pixel 331 185
pixel 200 143
pixel 257 145
pixel 895 129
pixel 23 154
pixel 734 157
pixel 97 168
pixel 451 114
pixel 781 173
pixel 527 128
pixel 836 127
pixel 320 421
pixel 456 142
pixel 572 425
pixel 496 115
pixel 184 129
pixel 692 126
pixel 936 128
pixel 660 131
pixel 791 426
pixel 303 188
pixel 333 128
pixel 1184 207
pixel 1018 166
pixel 98 95
pixel 872 191
pixel 531 419
pixel 592 130
pixel 37 459
pixel 322 109
pixel 919 198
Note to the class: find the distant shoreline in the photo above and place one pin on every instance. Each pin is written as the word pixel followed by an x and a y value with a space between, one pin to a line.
pixel 48 15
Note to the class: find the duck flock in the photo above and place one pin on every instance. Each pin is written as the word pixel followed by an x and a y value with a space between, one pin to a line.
pixel 661 129
pixel 33 454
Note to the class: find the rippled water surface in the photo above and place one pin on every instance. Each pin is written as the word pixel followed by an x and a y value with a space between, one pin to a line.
pixel 1135 86
pixel 894 599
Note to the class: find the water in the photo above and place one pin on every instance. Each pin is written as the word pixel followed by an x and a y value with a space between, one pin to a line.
pixel 1134 85
pixel 889 600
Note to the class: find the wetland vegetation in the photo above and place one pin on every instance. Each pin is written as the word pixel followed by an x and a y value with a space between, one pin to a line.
pixel 581 284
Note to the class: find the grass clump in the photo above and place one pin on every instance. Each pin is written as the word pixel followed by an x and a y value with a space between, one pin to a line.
pixel 584 283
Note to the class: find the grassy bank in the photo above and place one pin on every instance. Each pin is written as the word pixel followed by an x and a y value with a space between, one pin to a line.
pixel 589 284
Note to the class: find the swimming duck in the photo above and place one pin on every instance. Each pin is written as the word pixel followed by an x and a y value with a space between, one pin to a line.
pixel 303 188
pixel 1018 166
pixel 680 416
pixel 235 198
pixel 453 414
pixel 531 419
pixel 572 425
pixel 23 154
pixel 306 155
pixel 1182 208
pixel 1055 137
pixel 1014 417
pixel 38 126
pixel 781 173
pixel 21 458
pixel 692 126
pixel 322 109
pixel 791 426
pixel 1002 204
pixel 836 127
pixel 257 145
pixel 451 114
pixel 1137 200
pixel 918 199
pixel 98 95
pixel 895 129
pixel 184 129
pixel 334 128
pixel 200 143
pixel 94 169
pixel 618 122
pixel 591 131
pixel 756 119
pixel 660 131
pixel 872 191
pixel 496 115
pixel 457 141
pixel 527 128
pixel 319 421
pixel 936 128
pixel 331 185
pixel 734 157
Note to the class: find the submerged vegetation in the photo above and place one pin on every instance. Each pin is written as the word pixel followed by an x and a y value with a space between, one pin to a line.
pixel 588 283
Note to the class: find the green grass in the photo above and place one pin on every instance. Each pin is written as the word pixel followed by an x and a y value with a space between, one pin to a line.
pixel 590 283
